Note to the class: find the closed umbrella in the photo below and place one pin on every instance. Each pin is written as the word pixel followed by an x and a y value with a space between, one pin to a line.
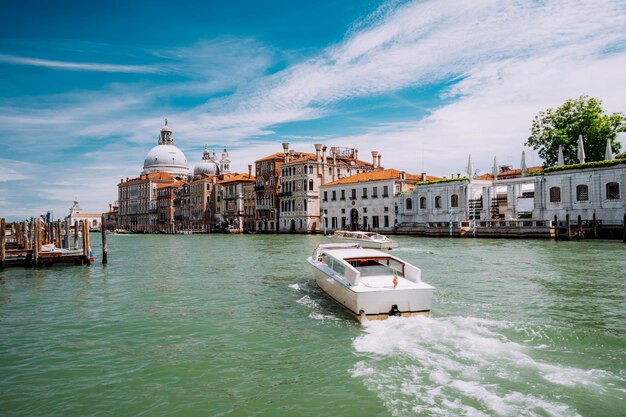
pixel 608 154
pixel 581 150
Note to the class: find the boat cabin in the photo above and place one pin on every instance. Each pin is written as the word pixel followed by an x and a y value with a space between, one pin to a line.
pixel 352 265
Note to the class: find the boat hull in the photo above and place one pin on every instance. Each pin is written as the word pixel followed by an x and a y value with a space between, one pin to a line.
pixel 373 304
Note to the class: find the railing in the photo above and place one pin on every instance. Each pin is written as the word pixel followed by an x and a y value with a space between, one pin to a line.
pixel 285 194
pixel 259 187
pixel 487 224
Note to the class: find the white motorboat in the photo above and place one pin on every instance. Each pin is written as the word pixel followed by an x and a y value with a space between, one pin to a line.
pixel 370 283
pixel 365 239
pixel 51 249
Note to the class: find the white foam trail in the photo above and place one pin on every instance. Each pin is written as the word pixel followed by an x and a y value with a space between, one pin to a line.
pixel 294 287
pixel 458 366
pixel 308 302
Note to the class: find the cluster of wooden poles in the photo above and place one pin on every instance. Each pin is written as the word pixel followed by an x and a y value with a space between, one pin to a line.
pixel 22 243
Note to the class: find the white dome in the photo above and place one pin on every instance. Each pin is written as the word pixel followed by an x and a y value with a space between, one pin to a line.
pixel 166 158
pixel 207 165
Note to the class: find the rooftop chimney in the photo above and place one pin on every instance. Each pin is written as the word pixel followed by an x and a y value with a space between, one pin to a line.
pixel 379 165
pixel 375 159
pixel 423 176
pixel 318 149
pixel 286 150
pixel 249 171
pixel 324 154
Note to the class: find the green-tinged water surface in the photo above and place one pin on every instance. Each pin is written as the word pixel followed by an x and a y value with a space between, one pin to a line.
pixel 227 325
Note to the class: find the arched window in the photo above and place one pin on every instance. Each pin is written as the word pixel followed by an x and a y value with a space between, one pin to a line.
pixel 422 202
pixel 555 194
pixel 612 191
pixel 582 192
pixel 438 201
pixel 310 185
pixel 305 205
pixel 409 204
pixel 310 169
pixel 454 200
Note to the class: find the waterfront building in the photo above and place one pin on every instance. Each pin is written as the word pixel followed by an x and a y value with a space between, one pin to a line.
pixel 267 177
pixel 584 198
pixel 166 157
pixel 439 200
pixel 138 197
pixel 232 191
pixel 77 214
pixel 365 201
pixel 166 195
pixel 581 200
pixel 138 201
pixel 301 176
pixel 201 210
pixel 249 205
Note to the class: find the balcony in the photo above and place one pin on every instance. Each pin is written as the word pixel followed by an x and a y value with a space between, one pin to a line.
pixel 285 194
pixel 259 187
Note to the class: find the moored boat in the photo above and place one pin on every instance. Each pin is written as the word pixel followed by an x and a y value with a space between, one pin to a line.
pixel 365 239
pixel 369 283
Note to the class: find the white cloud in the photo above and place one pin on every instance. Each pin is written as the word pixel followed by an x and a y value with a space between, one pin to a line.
pixel 80 66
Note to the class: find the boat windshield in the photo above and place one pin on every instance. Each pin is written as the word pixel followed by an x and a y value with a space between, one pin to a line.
pixel 382 265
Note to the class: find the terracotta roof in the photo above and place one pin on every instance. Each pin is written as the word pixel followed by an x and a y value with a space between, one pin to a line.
pixel 238 177
pixel 385 174
pixel 486 177
pixel 301 156
pixel 171 184
pixel 277 155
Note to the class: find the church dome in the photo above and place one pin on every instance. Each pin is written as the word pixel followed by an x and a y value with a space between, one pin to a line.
pixel 207 165
pixel 166 157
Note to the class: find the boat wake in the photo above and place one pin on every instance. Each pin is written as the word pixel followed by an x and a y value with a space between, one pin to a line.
pixel 316 310
pixel 460 366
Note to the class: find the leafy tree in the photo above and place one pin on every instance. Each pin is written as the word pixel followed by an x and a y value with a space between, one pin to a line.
pixel 562 126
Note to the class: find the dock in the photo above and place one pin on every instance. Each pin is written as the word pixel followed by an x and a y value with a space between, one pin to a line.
pixel 36 243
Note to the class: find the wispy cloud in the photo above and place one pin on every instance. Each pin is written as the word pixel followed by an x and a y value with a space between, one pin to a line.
pixel 81 66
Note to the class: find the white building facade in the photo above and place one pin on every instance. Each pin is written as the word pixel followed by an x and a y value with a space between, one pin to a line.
pixel 364 201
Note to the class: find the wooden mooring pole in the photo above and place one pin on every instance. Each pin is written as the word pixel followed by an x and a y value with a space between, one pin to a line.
pixel 556 227
pixel 105 249
pixel 624 227
pixel 2 246
pixel 67 234
pixel 75 234
pixel 85 229
pixel 37 242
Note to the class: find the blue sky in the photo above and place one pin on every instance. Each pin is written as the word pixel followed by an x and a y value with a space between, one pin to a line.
pixel 85 86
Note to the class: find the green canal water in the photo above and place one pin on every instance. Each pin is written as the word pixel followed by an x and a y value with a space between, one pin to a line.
pixel 225 325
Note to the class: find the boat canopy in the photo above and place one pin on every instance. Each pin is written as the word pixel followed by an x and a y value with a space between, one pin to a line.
pixel 350 262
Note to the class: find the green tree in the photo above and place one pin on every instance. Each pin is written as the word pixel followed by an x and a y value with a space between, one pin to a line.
pixel 562 126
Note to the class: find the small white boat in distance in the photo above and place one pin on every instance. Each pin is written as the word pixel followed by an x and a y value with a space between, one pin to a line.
pixel 365 239
pixel 370 283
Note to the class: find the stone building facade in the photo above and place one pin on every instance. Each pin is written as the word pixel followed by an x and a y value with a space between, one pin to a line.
pixel 301 176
